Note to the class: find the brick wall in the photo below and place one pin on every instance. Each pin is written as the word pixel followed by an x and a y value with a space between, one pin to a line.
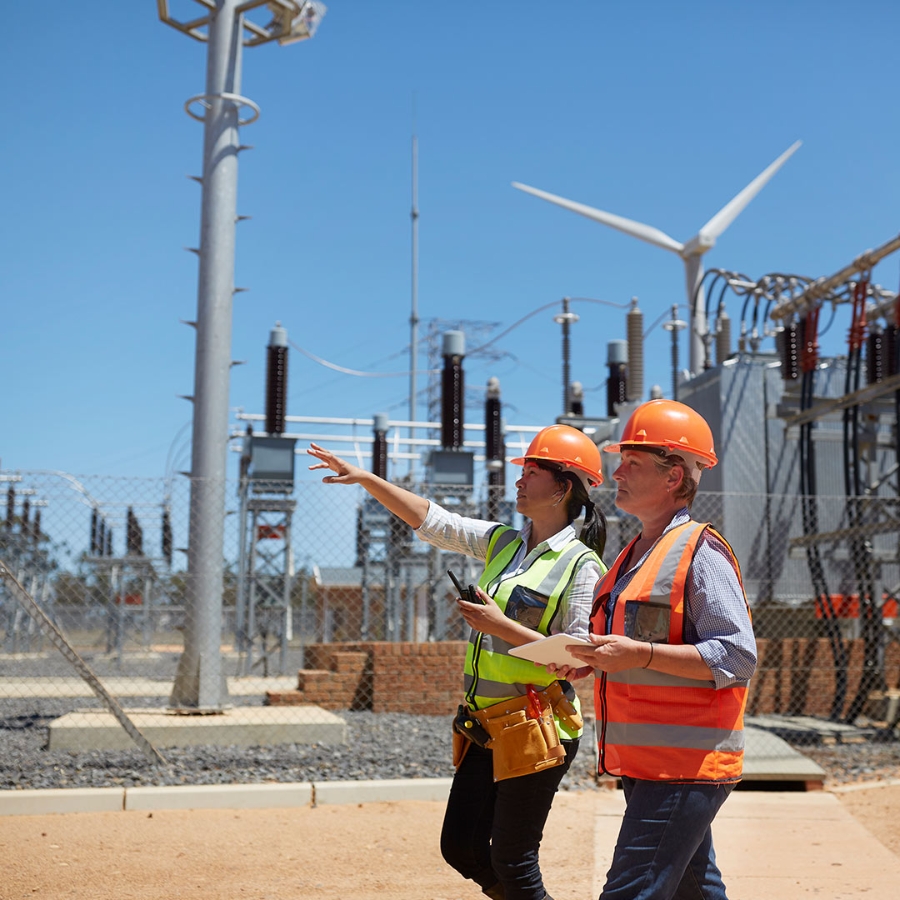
pixel 794 676
pixel 381 676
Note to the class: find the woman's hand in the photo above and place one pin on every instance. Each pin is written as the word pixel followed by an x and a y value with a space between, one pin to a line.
pixel 612 652
pixel 569 673
pixel 346 473
pixel 401 502
pixel 487 617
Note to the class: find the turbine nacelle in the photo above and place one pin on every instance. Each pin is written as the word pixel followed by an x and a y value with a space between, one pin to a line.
pixel 698 245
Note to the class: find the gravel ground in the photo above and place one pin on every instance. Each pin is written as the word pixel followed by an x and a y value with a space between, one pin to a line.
pixel 379 747
pixel 877 760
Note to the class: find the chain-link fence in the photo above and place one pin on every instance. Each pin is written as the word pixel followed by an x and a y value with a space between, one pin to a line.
pixel 331 606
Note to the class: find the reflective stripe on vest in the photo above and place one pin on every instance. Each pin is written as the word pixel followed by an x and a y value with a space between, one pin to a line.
pixel 655 726
pixel 490 674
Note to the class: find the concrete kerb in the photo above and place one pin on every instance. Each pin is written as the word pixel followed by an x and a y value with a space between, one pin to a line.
pixel 253 796
pixel 61 800
pixel 214 796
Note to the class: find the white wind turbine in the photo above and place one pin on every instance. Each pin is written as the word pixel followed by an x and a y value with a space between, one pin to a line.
pixel 691 251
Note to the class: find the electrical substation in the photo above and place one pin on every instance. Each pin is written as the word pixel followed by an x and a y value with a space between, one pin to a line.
pixel 225 585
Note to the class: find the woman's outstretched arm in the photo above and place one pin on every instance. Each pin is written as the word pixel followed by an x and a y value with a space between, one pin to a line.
pixel 402 503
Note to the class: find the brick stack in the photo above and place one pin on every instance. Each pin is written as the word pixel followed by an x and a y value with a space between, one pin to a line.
pixel 422 679
pixel 338 679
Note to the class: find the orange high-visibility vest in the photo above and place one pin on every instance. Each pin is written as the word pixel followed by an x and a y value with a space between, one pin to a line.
pixel 650 725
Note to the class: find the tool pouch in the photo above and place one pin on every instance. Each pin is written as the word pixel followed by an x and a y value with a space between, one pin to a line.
pixel 460 745
pixel 522 745
pixel 521 741
pixel 522 731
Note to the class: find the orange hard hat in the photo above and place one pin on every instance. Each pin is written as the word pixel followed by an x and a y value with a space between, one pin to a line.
pixel 572 450
pixel 673 427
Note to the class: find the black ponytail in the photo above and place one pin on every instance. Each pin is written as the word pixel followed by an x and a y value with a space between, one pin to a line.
pixel 593 531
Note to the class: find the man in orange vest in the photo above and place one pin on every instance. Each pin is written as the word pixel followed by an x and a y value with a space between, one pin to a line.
pixel 674 650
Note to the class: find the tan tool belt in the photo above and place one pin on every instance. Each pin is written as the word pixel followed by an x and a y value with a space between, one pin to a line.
pixel 521 741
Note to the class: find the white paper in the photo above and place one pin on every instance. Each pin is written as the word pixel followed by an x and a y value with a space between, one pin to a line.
pixel 551 650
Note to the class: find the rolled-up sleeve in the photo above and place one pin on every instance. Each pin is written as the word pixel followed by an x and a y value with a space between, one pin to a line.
pixel 718 621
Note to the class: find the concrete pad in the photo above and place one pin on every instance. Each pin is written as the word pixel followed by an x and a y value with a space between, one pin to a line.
pixel 256 685
pixel 248 726
pixel 219 796
pixel 337 792
pixel 61 800
pixel 781 846
pixel 769 758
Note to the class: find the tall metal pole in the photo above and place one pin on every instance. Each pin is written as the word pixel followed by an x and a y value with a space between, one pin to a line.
pixel 199 681
pixel 414 314
pixel 674 325
pixel 565 319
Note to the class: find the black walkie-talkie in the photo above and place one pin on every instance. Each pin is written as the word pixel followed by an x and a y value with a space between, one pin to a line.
pixel 469 593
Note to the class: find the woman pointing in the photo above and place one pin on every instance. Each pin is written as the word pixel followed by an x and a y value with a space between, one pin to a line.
pixel 537 580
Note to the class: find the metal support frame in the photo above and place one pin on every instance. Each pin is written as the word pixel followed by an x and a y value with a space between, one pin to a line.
pixel 28 565
pixel 120 620
pixel 264 624
pixel 823 288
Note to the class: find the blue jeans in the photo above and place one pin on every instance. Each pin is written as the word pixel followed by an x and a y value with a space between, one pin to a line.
pixel 665 848
pixel 492 830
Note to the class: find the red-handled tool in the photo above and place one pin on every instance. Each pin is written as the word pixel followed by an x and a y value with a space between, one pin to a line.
pixel 534 703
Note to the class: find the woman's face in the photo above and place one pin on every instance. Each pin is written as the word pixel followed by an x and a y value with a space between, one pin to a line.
pixel 642 488
pixel 537 490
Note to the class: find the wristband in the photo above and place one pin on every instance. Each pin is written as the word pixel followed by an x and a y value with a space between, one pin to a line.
pixel 650 660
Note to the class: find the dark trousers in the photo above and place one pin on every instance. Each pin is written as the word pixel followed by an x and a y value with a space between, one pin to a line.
pixel 665 848
pixel 492 830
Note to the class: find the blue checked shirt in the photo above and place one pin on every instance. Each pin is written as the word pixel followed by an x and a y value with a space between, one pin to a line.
pixel 717 622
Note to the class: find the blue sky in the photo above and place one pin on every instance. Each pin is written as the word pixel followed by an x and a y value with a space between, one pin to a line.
pixel 660 112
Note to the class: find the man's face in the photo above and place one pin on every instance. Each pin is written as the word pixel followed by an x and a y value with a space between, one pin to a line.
pixel 641 487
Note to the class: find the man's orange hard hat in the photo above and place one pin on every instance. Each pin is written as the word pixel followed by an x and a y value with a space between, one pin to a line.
pixel 671 426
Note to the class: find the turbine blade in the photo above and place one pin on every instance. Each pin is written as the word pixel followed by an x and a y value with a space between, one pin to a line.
pixel 628 226
pixel 728 213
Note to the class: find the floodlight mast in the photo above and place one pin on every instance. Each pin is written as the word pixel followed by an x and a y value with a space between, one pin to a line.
pixel 200 682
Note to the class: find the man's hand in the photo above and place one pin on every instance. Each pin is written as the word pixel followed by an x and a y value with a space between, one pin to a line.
pixel 612 653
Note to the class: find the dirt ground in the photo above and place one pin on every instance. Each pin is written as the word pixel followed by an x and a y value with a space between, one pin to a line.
pixel 877 809
pixel 377 850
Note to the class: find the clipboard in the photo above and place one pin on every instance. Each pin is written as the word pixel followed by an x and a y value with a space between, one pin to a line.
pixel 551 650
